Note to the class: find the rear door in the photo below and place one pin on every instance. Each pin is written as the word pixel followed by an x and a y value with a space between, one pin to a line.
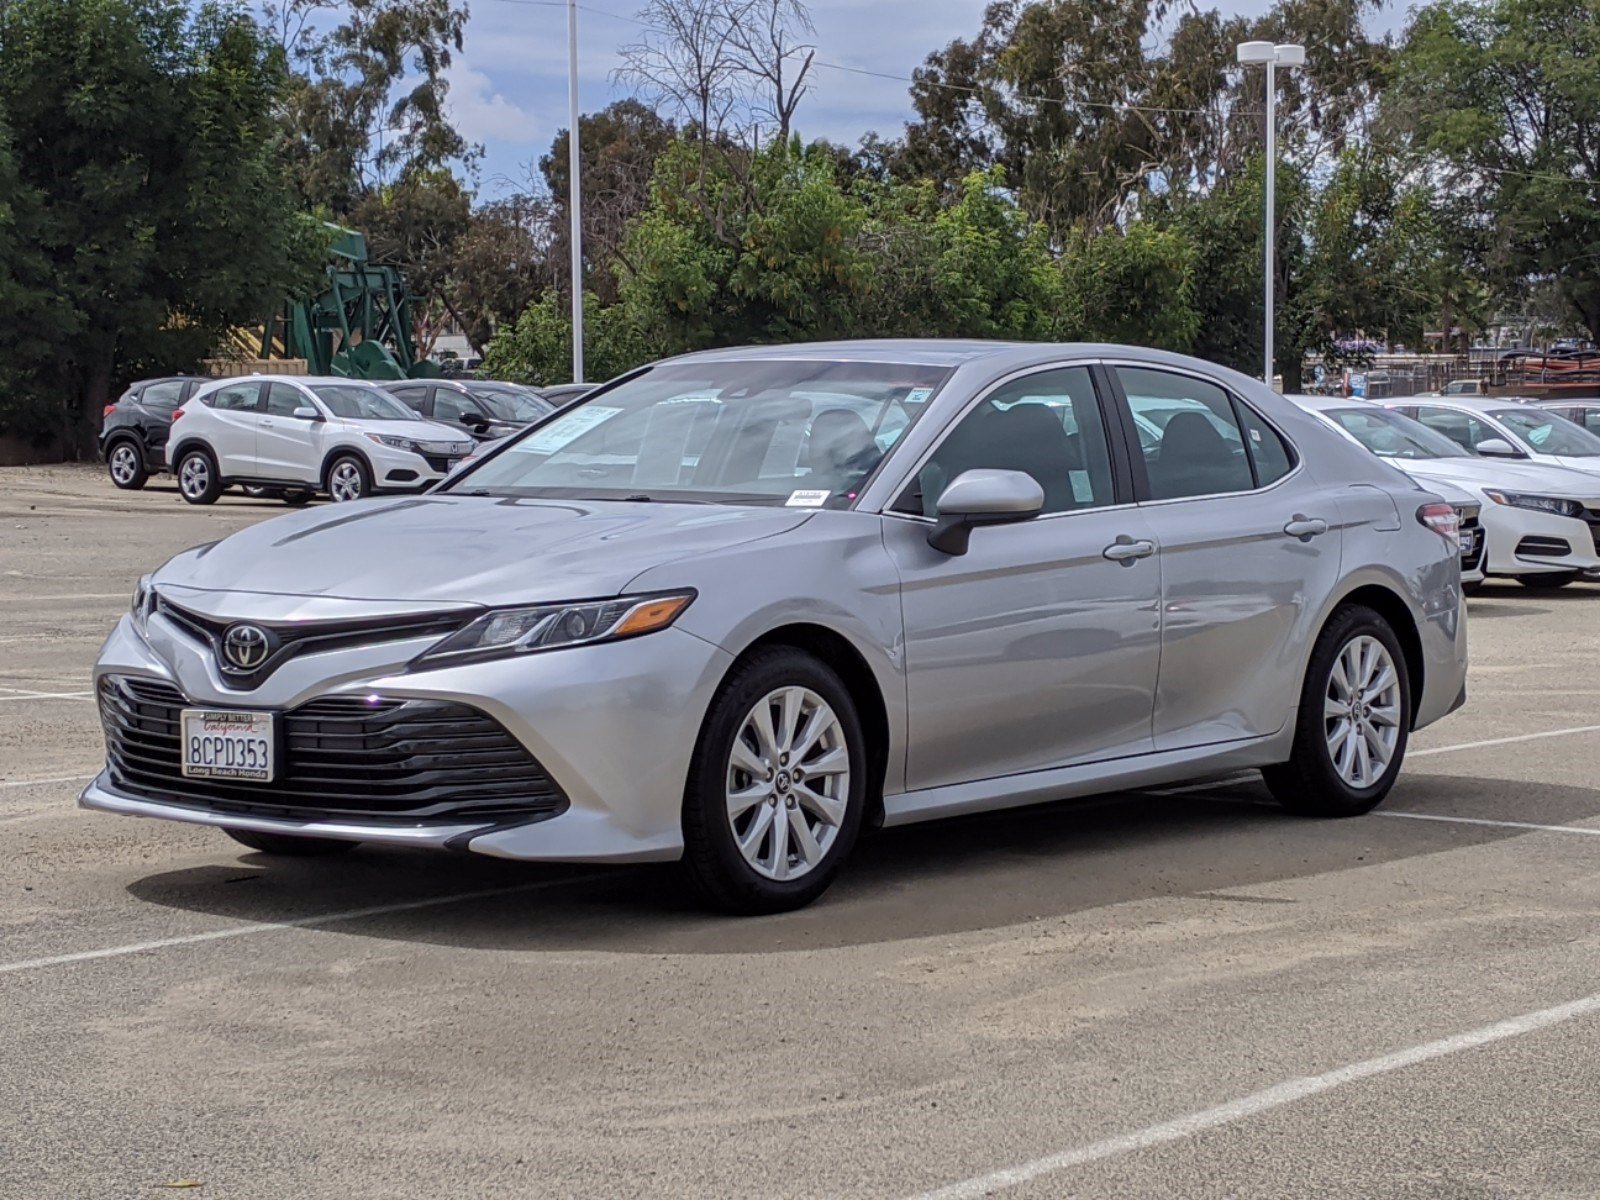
pixel 234 422
pixel 1039 646
pixel 287 446
pixel 1249 541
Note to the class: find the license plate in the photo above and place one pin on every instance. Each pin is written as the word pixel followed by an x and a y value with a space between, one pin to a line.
pixel 227 744
pixel 1469 540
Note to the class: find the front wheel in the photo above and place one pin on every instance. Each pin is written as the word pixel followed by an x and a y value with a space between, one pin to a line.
pixel 1549 581
pixel 288 845
pixel 1353 722
pixel 349 479
pixel 126 466
pixel 777 786
pixel 197 478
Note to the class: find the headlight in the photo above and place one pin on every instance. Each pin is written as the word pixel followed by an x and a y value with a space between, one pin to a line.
pixel 1550 504
pixel 143 599
pixel 554 626
pixel 388 439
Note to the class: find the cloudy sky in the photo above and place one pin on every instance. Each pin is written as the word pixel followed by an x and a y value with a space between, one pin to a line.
pixel 508 90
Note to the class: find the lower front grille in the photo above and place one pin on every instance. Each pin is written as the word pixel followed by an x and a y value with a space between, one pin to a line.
pixel 1544 547
pixel 338 758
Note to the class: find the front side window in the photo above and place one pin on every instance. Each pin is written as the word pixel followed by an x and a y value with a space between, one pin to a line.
pixel 236 397
pixel 1048 425
pixel 414 398
pixel 453 407
pixel 1462 428
pixel 507 404
pixel 1192 444
pixel 283 399
pixel 1391 435
pixel 355 402
pixel 749 431
pixel 1547 433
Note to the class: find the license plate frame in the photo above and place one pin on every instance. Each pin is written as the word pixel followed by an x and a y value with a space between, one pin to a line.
pixel 241 744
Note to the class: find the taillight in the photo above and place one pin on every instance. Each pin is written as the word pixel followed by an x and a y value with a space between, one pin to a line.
pixel 177 413
pixel 108 410
pixel 1442 519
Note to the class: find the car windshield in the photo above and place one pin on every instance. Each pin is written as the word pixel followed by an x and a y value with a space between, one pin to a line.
pixel 1546 433
pixel 508 404
pixel 752 431
pixel 1393 435
pixel 358 403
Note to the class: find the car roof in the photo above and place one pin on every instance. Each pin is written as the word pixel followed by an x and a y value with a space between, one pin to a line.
pixel 1477 404
pixel 1327 403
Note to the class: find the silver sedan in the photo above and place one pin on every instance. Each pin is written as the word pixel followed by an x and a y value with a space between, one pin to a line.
pixel 734 607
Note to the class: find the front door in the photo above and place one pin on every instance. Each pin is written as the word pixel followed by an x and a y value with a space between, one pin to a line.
pixel 1247 543
pixel 287 444
pixel 1034 649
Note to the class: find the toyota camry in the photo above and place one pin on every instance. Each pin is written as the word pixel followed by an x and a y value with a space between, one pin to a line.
pixel 734 608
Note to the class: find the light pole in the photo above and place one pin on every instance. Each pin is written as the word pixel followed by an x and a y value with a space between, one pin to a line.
pixel 574 203
pixel 1272 57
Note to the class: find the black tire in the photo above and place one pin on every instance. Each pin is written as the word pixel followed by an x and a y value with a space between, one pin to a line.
pixel 1549 581
pixel 195 485
pixel 348 478
pixel 289 845
pixel 1472 589
pixel 125 464
pixel 712 863
pixel 294 499
pixel 1310 783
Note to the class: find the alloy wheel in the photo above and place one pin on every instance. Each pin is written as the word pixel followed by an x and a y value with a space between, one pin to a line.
pixel 194 477
pixel 345 482
pixel 124 463
pixel 1361 711
pixel 788 783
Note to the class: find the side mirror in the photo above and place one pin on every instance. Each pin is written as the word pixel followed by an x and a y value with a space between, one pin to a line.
pixel 1498 448
pixel 306 413
pixel 984 496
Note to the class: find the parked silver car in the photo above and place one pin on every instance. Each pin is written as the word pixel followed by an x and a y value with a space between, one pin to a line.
pixel 735 606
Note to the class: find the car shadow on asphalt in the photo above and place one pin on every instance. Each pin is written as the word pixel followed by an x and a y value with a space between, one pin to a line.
pixel 944 877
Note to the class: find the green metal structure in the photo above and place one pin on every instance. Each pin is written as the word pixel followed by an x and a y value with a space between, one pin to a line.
pixel 360 326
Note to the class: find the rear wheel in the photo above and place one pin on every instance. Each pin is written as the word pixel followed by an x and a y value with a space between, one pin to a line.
pixel 126 465
pixel 777 786
pixel 349 479
pixel 1353 722
pixel 1548 581
pixel 197 478
pixel 289 845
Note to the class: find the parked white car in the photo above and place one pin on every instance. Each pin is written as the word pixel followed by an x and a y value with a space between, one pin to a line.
pixel 1540 523
pixel 1497 427
pixel 296 436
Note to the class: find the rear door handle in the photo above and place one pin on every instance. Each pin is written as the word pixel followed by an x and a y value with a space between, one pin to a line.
pixel 1127 551
pixel 1305 528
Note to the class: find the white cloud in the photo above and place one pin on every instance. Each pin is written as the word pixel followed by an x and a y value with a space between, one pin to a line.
pixel 482 114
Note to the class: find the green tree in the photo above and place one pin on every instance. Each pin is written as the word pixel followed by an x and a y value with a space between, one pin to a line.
pixel 148 190
pixel 1501 100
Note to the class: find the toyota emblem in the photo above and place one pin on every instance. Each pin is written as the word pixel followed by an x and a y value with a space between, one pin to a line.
pixel 245 647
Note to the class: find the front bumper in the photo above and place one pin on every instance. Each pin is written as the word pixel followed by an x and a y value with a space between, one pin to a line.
pixel 1524 541
pixel 614 725
pixel 396 470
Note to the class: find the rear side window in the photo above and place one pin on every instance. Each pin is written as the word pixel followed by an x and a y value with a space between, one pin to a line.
pixel 162 395
pixel 1190 438
pixel 1269 453
pixel 236 397
pixel 414 398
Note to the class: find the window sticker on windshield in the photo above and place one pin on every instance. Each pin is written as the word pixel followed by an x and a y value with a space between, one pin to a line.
pixel 918 395
pixel 564 429
pixel 806 499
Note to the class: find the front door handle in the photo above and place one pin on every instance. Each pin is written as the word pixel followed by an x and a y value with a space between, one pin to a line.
pixel 1127 551
pixel 1305 528
pixel 266 423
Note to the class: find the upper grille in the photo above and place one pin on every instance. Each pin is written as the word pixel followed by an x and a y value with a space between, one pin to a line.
pixel 291 638
pixel 339 757
pixel 1473 529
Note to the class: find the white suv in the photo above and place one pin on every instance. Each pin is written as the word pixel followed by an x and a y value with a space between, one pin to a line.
pixel 295 436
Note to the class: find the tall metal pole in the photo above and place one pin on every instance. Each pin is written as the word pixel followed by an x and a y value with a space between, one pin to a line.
pixel 574 203
pixel 1270 256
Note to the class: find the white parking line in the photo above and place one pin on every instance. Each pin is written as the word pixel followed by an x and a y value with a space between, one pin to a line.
pixel 351 914
pixel 48 696
pixel 1504 741
pixel 1263 1101
pixel 22 783
pixel 1411 816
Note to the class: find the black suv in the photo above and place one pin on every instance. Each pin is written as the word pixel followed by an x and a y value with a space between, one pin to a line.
pixel 133 436
pixel 487 409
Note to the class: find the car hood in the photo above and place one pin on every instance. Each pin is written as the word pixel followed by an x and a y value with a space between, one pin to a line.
pixel 1536 478
pixel 467 549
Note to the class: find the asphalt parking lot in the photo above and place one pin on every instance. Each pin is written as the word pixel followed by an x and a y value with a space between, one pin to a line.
pixel 1182 993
